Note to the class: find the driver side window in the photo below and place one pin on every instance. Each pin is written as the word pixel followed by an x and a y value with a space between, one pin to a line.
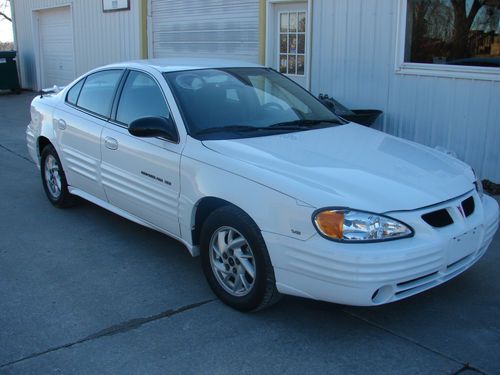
pixel 140 97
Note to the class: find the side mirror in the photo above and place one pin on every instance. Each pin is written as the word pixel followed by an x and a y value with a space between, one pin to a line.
pixel 154 126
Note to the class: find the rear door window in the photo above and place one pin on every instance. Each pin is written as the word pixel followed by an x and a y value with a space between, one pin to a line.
pixel 98 91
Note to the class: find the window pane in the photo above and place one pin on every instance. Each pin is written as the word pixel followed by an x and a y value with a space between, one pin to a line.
pixel 453 32
pixel 98 90
pixel 284 22
pixel 302 22
pixel 300 65
pixel 293 22
pixel 283 43
pixel 292 43
pixel 291 64
pixel 73 92
pixel 301 47
pixel 283 63
pixel 140 97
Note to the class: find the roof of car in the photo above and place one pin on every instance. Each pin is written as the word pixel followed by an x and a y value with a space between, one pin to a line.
pixel 177 64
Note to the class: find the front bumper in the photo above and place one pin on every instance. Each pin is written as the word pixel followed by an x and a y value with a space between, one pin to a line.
pixel 377 273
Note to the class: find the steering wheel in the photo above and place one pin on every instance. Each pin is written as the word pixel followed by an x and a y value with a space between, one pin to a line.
pixel 272 105
pixel 189 81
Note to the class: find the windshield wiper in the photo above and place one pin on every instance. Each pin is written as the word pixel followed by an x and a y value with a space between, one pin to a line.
pixel 289 125
pixel 303 124
pixel 234 128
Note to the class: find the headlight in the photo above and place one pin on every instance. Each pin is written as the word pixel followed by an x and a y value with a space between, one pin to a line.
pixel 346 225
pixel 478 184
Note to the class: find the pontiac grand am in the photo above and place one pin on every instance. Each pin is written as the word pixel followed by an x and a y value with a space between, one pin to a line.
pixel 250 171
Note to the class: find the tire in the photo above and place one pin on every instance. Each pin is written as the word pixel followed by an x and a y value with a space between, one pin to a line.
pixel 54 180
pixel 231 248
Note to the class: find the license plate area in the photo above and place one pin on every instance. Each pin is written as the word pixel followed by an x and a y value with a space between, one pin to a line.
pixel 462 245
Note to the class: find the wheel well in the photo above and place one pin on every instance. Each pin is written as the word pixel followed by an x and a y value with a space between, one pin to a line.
pixel 204 208
pixel 42 142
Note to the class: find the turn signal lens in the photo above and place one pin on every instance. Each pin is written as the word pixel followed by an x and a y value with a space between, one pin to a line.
pixel 330 223
pixel 348 225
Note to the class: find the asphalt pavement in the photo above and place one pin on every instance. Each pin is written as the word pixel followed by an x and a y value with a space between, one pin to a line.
pixel 83 291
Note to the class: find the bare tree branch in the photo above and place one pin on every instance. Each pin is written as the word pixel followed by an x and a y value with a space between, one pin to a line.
pixel 473 12
pixel 2 14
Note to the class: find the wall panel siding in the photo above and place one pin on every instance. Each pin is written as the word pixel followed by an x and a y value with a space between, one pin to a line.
pixel 99 38
pixel 210 28
pixel 353 59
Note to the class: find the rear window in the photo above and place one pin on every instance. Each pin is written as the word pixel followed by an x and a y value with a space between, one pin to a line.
pixel 98 90
pixel 73 93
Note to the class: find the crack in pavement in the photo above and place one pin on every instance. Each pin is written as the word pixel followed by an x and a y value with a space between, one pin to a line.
pixel 17 154
pixel 465 366
pixel 123 327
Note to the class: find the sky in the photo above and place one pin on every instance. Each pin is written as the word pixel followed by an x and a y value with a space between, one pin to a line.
pixel 6 28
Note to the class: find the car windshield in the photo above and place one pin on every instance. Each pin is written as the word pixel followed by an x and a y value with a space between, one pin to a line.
pixel 245 102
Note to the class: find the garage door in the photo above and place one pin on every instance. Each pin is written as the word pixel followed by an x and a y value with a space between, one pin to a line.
pixel 55 33
pixel 208 28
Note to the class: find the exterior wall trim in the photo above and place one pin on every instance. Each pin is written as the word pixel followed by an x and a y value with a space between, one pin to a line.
pixel 143 28
pixel 149 30
pixel 16 40
pixel 262 31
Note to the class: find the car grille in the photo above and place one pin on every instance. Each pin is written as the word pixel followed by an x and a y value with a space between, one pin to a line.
pixel 438 219
pixel 442 218
pixel 468 206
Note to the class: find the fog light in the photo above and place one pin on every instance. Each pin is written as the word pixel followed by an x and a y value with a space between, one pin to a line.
pixel 382 295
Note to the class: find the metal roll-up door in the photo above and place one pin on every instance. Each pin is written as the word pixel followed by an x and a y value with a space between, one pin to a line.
pixel 55 35
pixel 205 28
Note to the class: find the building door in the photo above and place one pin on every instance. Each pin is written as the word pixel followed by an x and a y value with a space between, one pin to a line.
pixel 56 52
pixel 208 28
pixel 288 41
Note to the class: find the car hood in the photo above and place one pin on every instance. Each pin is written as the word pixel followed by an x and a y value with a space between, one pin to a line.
pixel 349 165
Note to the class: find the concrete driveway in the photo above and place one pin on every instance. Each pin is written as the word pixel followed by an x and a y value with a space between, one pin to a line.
pixel 84 291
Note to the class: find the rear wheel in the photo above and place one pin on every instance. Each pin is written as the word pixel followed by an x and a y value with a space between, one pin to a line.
pixel 54 180
pixel 236 262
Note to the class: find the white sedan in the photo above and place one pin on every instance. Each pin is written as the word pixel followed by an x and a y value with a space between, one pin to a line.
pixel 249 170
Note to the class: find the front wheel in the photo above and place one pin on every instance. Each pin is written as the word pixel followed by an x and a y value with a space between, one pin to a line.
pixel 235 260
pixel 54 180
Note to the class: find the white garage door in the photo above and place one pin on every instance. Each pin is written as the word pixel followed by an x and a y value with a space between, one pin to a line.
pixel 205 28
pixel 55 34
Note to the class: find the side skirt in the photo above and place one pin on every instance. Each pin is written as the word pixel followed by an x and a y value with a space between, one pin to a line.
pixel 193 250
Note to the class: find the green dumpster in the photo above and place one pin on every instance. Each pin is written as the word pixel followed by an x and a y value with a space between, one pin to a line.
pixel 8 72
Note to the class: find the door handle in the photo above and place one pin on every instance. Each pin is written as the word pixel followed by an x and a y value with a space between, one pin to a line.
pixel 61 124
pixel 111 143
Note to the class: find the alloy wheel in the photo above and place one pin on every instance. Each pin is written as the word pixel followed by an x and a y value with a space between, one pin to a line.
pixel 232 261
pixel 53 176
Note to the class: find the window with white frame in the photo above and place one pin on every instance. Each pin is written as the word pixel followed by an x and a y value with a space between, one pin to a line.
pixel 292 44
pixel 453 32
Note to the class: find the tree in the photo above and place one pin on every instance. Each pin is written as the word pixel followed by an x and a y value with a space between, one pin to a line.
pixel 451 28
pixel 464 21
pixel 4 4
pixel 462 25
pixel 430 28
